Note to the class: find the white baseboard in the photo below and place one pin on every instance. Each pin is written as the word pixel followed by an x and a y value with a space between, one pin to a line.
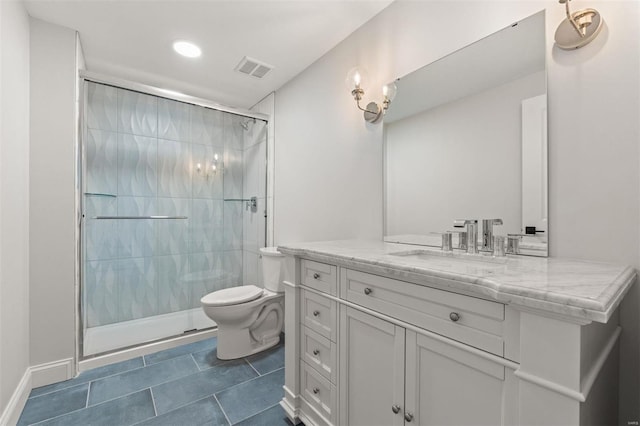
pixel 289 404
pixel 12 411
pixel 52 372
pixel 34 377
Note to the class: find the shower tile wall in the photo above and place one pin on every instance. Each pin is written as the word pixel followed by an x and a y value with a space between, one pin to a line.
pixel 151 156
pixel 254 184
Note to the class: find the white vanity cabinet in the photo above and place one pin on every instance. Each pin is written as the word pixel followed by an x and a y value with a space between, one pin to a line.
pixel 395 376
pixel 371 343
pixel 425 377
pixel 388 374
pixel 446 385
pixel 372 369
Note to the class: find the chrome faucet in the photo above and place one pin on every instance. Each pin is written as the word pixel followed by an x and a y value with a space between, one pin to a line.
pixel 487 233
pixel 472 233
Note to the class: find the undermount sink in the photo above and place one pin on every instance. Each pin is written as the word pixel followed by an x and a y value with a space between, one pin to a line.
pixel 450 256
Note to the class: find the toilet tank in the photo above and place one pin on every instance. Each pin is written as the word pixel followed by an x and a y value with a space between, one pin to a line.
pixel 272 269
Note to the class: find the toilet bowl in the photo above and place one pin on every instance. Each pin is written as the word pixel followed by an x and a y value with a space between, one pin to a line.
pixel 249 318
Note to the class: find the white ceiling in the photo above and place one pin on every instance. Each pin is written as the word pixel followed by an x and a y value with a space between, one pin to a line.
pixel 133 40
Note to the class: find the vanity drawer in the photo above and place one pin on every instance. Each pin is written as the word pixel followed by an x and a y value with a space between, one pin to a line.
pixel 320 314
pixel 318 392
pixel 319 276
pixel 476 322
pixel 318 352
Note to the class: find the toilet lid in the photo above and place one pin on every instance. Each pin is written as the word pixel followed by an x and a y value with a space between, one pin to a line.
pixel 232 296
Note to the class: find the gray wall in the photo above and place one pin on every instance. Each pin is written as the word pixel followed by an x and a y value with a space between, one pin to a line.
pixel 14 197
pixel 52 193
pixel 329 163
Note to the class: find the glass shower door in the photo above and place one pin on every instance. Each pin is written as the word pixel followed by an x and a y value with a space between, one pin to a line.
pixel 157 233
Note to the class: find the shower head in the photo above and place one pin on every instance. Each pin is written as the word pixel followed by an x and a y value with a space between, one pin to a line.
pixel 245 124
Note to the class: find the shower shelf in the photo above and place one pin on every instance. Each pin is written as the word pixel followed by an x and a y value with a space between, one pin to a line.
pixel 139 217
pixel 100 194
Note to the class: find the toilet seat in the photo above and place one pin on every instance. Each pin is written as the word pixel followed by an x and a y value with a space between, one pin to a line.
pixel 232 296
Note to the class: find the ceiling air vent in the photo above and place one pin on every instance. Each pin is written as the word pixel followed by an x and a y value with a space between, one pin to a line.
pixel 253 67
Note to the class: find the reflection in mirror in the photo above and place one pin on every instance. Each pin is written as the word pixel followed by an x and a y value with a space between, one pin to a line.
pixel 466 138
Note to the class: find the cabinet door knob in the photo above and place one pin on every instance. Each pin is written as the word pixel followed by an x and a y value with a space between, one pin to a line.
pixel 316 313
pixel 316 275
pixel 408 417
pixel 316 391
pixel 316 351
pixel 454 316
pixel 395 408
pixel 367 291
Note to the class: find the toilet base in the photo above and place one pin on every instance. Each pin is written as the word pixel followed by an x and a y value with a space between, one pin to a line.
pixel 234 344
pixel 241 335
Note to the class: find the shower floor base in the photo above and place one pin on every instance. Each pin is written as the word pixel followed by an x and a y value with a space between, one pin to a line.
pixel 128 333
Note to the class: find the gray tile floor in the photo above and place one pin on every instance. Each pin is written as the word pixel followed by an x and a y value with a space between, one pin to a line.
pixel 186 385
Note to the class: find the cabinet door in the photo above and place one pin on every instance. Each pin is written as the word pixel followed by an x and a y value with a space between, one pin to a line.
pixel 446 385
pixel 371 370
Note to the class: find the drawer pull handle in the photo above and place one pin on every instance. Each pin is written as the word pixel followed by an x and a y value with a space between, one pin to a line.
pixel 408 417
pixel 367 291
pixel 316 313
pixel 316 276
pixel 454 316
pixel 316 391
pixel 316 352
pixel 395 408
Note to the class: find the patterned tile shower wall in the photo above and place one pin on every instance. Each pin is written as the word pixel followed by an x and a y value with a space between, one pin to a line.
pixel 149 156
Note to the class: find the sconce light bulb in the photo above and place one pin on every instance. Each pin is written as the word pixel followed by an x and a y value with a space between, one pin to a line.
pixel 389 91
pixel 214 167
pixel 215 157
pixel 356 78
pixel 198 167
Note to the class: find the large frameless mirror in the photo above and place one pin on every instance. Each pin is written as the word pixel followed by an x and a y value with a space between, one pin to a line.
pixel 466 138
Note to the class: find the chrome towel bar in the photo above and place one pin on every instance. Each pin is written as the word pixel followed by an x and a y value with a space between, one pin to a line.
pixel 139 217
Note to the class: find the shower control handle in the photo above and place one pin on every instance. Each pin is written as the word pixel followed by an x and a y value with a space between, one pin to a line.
pixel 252 203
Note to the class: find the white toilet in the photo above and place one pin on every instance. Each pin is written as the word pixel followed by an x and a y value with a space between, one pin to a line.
pixel 249 318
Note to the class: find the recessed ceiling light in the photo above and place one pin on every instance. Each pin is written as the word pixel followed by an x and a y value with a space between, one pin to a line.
pixel 186 48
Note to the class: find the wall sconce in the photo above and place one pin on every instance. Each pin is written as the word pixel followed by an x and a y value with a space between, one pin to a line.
pixel 579 28
pixel 215 166
pixel 373 112
pixel 212 170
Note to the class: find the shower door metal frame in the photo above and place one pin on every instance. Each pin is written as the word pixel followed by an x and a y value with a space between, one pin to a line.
pixel 85 77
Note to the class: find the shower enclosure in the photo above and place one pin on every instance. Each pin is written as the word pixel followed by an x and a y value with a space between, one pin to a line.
pixel 173 207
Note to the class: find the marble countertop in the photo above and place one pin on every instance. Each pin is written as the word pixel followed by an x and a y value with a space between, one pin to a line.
pixel 586 291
